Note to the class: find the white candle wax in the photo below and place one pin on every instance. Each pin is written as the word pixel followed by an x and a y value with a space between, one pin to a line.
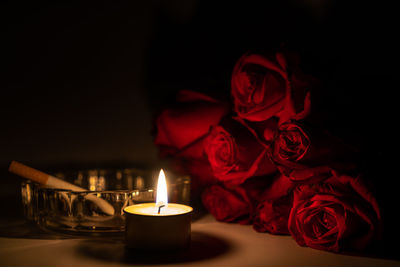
pixel 151 209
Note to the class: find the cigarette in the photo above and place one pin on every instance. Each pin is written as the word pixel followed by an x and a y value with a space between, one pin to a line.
pixel 54 182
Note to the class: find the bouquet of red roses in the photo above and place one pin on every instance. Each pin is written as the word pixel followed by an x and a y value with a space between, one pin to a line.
pixel 263 159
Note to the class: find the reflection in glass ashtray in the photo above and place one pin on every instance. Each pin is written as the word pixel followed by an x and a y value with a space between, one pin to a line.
pixel 100 208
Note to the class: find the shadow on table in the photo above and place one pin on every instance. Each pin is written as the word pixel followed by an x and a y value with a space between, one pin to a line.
pixel 203 246
pixel 25 229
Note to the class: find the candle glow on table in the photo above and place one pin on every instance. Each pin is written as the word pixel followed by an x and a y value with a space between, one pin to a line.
pixel 160 225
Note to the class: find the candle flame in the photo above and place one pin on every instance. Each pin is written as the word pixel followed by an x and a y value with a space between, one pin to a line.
pixel 162 195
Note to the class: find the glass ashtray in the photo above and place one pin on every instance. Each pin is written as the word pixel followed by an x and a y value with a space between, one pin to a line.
pixel 99 209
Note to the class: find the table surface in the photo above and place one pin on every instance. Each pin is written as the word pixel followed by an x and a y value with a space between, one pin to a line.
pixel 213 244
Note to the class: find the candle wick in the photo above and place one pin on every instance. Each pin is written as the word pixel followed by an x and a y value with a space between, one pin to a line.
pixel 159 208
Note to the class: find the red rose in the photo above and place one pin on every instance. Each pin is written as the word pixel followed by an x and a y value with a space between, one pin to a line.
pixel 272 213
pixel 234 204
pixel 262 88
pixel 226 205
pixel 304 152
pixel 337 214
pixel 292 142
pixel 181 128
pixel 235 154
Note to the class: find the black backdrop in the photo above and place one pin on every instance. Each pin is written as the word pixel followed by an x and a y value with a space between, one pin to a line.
pixel 80 82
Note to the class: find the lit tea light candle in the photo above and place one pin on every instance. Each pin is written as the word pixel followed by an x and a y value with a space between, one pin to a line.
pixel 160 225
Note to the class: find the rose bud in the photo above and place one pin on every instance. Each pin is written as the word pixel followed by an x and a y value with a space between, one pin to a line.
pixel 272 213
pixel 335 215
pixel 235 154
pixel 262 88
pixel 181 129
pixel 306 153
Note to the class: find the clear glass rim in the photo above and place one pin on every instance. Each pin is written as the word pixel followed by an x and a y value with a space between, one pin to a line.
pixel 43 187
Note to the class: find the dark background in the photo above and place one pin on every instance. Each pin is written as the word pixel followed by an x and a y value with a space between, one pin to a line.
pixel 80 82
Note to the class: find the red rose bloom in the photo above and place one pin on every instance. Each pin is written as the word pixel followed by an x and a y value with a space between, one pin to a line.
pixel 304 152
pixel 180 129
pixel 337 214
pixel 235 154
pixel 221 151
pixel 225 205
pixel 272 213
pixel 261 89
pixel 292 143
pixel 236 203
